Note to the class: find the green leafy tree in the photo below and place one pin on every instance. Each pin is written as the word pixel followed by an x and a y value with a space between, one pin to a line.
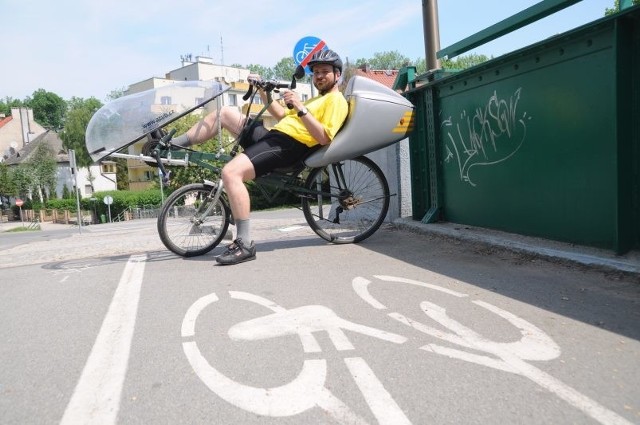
pixel 8 103
pixel 73 135
pixel 616 7
pixel 48 109
pixel 463 61
pixel 385 60
pixel 262 71
pixel 114 94
pixel 21 176
pixel 7 187
pixel 181 176
pixel 284 69
pixel 122 173
pixel 42 163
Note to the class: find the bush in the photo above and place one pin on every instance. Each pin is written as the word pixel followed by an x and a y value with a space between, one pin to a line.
pixel 122 201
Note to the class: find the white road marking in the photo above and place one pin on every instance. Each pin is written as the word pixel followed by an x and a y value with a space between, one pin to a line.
pixel 308 319
pixel 304 392
pixel 291 228
pixel 96 398
pixel 361 287
pixel 534 345
pixel 383 406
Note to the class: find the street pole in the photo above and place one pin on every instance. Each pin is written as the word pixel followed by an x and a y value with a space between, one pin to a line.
pixel 431 32
pixel 72 164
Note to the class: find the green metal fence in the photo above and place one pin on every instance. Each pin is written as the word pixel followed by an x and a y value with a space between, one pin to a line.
pixel 544 141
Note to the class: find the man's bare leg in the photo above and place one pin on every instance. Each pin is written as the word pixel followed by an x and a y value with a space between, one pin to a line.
pixel 231 119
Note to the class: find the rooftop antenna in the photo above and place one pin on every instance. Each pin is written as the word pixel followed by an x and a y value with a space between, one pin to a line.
pixel 221 52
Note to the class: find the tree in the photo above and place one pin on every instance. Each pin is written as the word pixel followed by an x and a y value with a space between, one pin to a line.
pixel 262 71
pixel 616 7
pixel 73 135
pixel 48 109
pixel 122 174
pixel 7 187
pixel 385 60
pixel 181 176
pixel 42 163
pixel 8 103
pixel 114 94
pixel 463 61
pixel 21 178
pixel 284 69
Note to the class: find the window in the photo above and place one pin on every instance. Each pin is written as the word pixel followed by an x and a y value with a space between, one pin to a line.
pixel 165 100
pixel 108 167
pixel 305 97
pixel 88 189
pixel 233 99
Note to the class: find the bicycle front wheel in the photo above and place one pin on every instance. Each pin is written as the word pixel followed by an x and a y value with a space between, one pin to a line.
pixel 347 201
pixel 190 224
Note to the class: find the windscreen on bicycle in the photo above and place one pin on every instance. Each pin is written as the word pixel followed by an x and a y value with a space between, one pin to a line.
pixel 128 119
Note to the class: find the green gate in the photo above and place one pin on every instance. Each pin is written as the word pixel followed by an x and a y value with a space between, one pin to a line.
pixel 542 142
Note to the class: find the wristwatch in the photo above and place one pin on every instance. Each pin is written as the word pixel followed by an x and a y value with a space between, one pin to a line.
pixel 302 112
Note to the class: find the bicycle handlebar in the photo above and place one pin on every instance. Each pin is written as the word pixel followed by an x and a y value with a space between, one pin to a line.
pixel 266 85
pixel 269 86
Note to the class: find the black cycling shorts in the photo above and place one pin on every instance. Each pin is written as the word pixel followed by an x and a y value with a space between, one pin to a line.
pixel 271 149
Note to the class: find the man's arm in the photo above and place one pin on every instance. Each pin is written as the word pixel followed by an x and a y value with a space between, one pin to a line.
pixel 315 127
pixel 275 109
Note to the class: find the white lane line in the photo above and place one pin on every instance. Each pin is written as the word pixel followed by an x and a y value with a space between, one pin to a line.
pixel 96 398
pixel 383 406
pixel 291 228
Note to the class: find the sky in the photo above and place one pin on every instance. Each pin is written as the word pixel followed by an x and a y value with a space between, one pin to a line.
pixel 80 48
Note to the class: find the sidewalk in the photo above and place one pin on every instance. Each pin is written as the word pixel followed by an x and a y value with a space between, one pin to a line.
pixel 584 255
pixel 141 235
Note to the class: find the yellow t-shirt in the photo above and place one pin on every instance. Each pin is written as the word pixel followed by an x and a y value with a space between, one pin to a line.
pixel 330 109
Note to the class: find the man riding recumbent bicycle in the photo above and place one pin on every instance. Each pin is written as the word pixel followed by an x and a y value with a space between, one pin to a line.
pixel 314 152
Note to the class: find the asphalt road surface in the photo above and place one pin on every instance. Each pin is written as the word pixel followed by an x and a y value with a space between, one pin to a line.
pixel 107 326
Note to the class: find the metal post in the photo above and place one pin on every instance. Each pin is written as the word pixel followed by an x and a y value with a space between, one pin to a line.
pixel 431 31
pixel 72 163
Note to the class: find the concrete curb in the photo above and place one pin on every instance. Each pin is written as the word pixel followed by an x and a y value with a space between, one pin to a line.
pixel 587 256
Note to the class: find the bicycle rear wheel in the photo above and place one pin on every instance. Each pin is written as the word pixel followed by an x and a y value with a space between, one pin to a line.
pixel 189 224
pixel 349 200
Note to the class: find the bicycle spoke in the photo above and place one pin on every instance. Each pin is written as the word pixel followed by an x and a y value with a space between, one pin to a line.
pixel 350 202
pixel 190 223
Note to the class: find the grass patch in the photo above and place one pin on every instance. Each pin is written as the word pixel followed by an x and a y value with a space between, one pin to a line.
pixel 22 229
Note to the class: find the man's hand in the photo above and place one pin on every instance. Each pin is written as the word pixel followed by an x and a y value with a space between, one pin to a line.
pixel 291 98
pixel 253 77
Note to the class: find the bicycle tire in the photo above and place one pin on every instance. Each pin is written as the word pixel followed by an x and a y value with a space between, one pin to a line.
pixel 346 214
pixel 180 228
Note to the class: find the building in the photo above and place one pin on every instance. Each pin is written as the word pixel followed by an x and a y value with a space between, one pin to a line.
pixel 17 131
pixel 383 76
pixel 20 135
pixel 97 177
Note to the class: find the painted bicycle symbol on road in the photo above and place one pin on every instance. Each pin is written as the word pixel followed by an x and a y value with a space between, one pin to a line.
pixel 308 389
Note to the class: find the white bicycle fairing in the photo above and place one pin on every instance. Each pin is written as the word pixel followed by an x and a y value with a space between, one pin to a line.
pixel 128 119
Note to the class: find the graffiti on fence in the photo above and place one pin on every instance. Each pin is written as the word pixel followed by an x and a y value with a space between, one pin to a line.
pixel 489 135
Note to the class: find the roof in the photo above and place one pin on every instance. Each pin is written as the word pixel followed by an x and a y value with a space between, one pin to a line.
pixel 5 120
pixel 50 138
pixel 383 76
